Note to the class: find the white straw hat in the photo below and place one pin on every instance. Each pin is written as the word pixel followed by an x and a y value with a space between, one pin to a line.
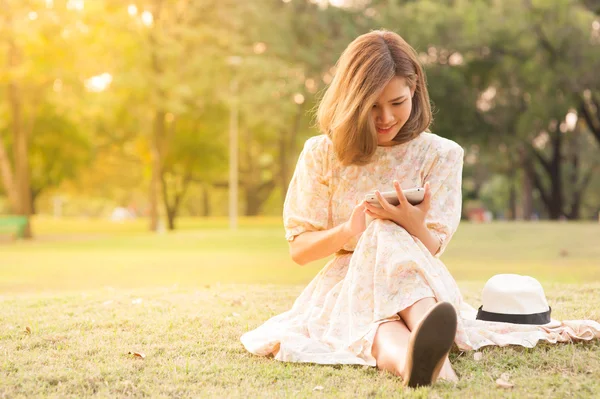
pixel 512 298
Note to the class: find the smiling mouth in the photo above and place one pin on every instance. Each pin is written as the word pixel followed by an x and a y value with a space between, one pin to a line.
pixel 386 130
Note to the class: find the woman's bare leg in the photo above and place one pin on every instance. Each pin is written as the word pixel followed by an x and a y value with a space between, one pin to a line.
pixel 412 316
pixel 390 346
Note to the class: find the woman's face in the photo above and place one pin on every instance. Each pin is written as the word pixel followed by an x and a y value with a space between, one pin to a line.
pixel 392 110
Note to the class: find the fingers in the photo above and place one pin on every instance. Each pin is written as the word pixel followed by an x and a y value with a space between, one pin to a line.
pixel 426 204
pixel 371 214
pixel 382 201
pixel 374 210
pixel 399 193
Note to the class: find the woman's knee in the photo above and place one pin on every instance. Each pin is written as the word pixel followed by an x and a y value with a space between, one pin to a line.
pixel 413 314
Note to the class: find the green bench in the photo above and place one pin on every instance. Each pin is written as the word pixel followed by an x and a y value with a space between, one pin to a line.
pixel 14 225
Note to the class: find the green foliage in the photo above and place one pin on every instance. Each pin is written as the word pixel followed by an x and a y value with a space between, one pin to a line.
pixel 500 74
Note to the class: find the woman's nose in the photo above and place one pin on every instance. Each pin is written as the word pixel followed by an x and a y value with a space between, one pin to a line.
pixel 385 116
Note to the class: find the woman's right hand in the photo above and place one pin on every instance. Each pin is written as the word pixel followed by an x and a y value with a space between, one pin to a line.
pixel 357 222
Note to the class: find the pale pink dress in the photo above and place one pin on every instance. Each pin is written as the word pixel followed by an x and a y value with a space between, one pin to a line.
pixel 335 318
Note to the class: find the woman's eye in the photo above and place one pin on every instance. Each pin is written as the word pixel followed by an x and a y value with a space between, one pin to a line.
pixel 398 103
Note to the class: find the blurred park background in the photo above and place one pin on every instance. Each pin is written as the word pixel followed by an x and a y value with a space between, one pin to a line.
pixel 120 118
pixel 133 133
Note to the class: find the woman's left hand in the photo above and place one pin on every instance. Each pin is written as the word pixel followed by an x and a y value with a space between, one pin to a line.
pixel 411 217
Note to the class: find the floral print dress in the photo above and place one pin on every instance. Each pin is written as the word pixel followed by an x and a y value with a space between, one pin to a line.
pixel 385 269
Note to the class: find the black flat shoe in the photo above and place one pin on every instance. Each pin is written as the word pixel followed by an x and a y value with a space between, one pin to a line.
pixel 429 345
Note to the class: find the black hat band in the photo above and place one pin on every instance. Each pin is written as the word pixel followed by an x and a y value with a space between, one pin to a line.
pixel 534 318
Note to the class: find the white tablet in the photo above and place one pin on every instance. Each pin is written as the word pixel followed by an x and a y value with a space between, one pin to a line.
pixel 413 195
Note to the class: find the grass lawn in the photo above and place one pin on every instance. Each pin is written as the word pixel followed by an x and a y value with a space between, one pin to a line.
pixel 77 300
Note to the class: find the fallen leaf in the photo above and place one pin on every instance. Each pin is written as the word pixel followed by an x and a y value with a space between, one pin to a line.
pixel 237 302
pixel 318 388
pixel 505 376
pixel 27 330
pixel 478 356
pixel 139 355
pixel 500 383
pixel 564 253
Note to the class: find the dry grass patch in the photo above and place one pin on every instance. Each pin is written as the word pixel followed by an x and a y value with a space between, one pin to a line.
pixel 79 346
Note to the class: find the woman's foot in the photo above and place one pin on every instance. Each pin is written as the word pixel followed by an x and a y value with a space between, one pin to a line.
pixel 429 345
pixel 447 373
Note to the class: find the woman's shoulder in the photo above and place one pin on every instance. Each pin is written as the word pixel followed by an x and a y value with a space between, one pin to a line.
pixel 320 143
pixel 438 145
pixel 318 147
pixel 317 151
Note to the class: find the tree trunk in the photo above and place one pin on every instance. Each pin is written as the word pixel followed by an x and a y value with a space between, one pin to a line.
pixel 158 128
pixel 553 198
pixel 527 195
pixel 20 145
pixel 556 208
pixel 256 197
pixel 8 179
pixel 512 201
pixel 527 183
pixel 172 208
pixel 283 164
pixel 206 211
pixel 287 146
pixel 171 219
pixel 34 195
pixel 156 165
pixel 253 205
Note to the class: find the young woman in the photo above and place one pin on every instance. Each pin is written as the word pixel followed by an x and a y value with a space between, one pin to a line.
pixel 385 299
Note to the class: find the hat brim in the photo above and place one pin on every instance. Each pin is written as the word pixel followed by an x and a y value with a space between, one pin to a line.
pixel 552 324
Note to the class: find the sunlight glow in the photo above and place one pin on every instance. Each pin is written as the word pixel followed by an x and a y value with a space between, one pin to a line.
pixel 484 103
pixel 541 140
pixel 596 31
pixel 298 98
pixel 75 5
pixel 57 86
pixel 311 85
pixel 571 120
pixel 147 18
pixel 259 48
pixel 455 59
pixel 98 83
pixel 132 9
pixel 33 15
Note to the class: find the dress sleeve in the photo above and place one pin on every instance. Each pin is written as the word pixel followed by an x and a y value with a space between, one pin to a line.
pixel 445 181
pixel 306 206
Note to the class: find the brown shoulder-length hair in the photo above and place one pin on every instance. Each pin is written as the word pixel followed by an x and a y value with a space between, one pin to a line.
pixel 362 72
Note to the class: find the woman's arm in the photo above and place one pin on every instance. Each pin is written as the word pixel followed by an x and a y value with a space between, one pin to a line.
pixel 429 239
pixel 313 245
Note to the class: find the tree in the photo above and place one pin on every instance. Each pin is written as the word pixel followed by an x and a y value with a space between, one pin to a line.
pixel 28 33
